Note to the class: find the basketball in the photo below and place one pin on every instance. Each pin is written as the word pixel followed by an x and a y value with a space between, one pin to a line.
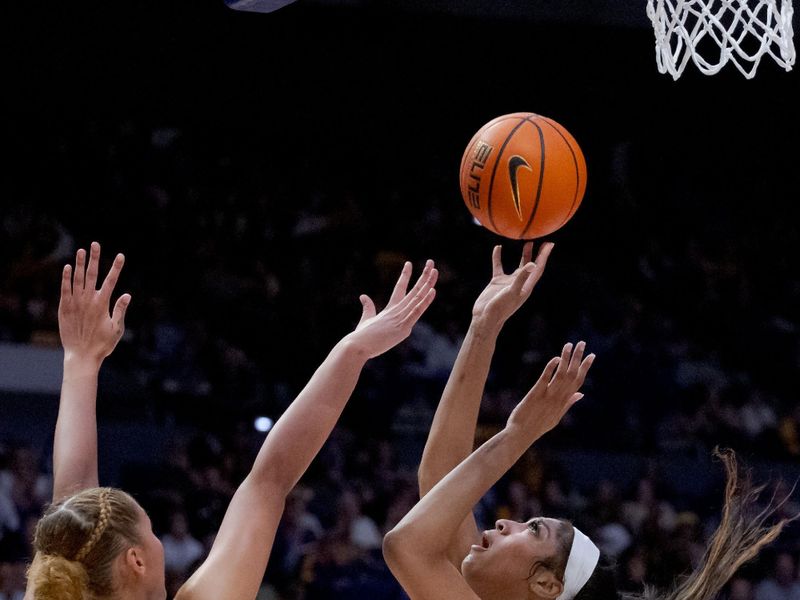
pixel 522 176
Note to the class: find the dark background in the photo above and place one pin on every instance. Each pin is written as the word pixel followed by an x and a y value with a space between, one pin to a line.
pixel 261 171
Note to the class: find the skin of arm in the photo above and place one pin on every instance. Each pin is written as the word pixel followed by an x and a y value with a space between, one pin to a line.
pixel 237 561
pixel 452 434
pixel 416 550
pixel 89 334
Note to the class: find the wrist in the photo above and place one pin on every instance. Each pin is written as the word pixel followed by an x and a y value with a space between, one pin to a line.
pixel 352 349
pixel 519 437
pixel 485 327
pixel 503 449
pixel 78 364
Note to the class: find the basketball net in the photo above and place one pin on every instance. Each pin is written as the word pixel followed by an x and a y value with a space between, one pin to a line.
pixel 713 32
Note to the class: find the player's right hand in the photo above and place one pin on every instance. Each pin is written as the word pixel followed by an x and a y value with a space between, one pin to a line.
pixel 86 328
pixel 507 292
pixel 377 333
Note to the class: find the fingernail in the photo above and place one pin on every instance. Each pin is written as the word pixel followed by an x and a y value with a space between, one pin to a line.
pixel 580 397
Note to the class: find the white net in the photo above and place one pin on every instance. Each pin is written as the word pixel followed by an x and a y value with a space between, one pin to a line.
pixel 713 32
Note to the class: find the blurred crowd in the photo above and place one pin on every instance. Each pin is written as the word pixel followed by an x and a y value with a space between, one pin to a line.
pixel 242 281
pixel 328 543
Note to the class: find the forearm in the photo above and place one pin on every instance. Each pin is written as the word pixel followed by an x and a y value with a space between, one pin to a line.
pixel 452 435
pixel 75 442
pixel 433 521
pixel 305 426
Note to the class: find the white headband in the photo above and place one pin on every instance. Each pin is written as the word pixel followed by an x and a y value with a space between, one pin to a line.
pixel 583 557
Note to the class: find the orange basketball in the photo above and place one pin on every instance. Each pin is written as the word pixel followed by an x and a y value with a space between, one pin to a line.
pixel 523 176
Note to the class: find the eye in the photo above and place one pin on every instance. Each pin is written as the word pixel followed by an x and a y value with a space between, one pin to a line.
pixel 534 527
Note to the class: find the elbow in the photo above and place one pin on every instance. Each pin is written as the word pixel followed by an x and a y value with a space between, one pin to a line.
pixel 390 549
pixel 396 546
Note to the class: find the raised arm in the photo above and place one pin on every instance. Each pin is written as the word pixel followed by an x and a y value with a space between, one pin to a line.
pixel 89 334
pixel 416 549
pixel 452 435
pixel 235 566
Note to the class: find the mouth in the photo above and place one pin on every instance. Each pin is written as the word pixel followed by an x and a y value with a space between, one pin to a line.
pixel 485 541
pixel 484 545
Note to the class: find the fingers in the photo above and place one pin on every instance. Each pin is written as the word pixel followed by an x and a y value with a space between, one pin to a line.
pixel 368 308
pixel 527 252
pixel 94 265
pixel 422 282
pixel 433 278
pixel 544 254
pixel 577 357
pixel 575 397
pixel 412 302
pixel 497 262
pixel 545 378
pixel 518 286
pixel 66 283
pixel 531 280
pixel 118 314
pixel 549 370
pixel 566 354
pixel 113 275
pixel 424 278
pixel 536 273
pixel 402 285
pixel 419 308
pixel 583 370
pixel 80 271
pixel 574 368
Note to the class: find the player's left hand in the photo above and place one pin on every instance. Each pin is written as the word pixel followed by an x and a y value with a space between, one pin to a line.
pixel 553 394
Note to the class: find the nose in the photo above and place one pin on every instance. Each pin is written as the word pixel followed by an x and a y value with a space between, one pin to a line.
pixel 502 525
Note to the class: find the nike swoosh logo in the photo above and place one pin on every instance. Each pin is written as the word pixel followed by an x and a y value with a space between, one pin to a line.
pixel 514 163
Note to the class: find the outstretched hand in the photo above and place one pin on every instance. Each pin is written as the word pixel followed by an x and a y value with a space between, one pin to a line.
pixel 553 394
pixel 507 292
pixel 86 328
pixel 377 333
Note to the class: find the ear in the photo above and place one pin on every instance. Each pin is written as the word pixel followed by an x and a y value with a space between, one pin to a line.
pixel 134 560
pixel 545 584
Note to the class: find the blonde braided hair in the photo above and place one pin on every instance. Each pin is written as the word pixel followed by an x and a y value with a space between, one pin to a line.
pixel 77 542
pixel 99 527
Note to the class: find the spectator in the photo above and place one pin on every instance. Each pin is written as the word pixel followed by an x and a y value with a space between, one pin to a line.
pixel 181 550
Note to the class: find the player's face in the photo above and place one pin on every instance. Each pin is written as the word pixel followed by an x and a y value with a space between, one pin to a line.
pixel 154 584
pixel 504 557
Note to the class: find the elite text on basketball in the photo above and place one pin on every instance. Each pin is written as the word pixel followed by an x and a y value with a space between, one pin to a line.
pixel 481 155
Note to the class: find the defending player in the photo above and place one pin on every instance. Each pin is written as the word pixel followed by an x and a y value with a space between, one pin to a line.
pixel 98 542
